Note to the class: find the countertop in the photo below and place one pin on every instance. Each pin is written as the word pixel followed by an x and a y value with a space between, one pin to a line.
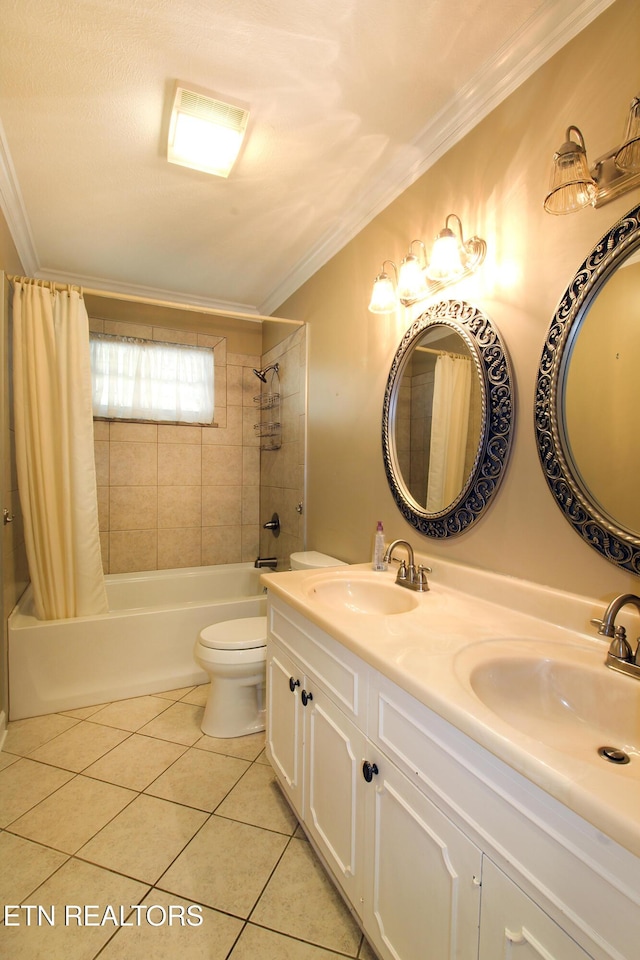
pixel 428 652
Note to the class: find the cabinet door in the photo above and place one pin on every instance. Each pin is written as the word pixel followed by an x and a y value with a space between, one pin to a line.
pixel 424 898
pixel 333 786
pixel 513 927
pixel 284 722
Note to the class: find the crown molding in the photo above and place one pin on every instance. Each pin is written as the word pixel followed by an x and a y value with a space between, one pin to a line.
pixel 543 35
pixel 14 210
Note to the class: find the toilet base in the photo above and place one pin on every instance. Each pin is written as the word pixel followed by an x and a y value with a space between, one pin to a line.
pixel 235 709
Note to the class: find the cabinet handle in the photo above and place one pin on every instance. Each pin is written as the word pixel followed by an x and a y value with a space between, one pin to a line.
pixel 306 697
pixel 369 770
pixel 293 684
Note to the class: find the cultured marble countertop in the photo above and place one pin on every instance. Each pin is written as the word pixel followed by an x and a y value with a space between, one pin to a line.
pixel 428 652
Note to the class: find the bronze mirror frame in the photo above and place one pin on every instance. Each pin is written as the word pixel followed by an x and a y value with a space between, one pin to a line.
pixel 612 541
pixel 493 369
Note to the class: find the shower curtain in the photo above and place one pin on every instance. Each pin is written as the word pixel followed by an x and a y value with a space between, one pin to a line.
pixel 449 429
pixel 54 450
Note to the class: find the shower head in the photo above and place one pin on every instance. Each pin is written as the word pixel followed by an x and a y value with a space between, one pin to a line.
pixel 262 374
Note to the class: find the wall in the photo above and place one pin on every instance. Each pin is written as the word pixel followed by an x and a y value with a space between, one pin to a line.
pixel 495 179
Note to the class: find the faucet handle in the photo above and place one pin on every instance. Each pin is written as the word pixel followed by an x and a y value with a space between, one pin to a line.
pixel 620 645
pixel 601 627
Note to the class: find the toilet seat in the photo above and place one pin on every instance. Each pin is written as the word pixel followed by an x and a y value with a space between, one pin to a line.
pixel 244 634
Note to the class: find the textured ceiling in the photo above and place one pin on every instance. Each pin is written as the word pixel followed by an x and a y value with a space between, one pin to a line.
pixel 350 101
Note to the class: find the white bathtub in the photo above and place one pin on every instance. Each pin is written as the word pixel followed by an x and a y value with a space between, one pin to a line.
pixel 143 645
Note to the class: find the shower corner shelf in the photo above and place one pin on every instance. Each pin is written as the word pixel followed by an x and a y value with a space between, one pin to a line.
pixel 266 401
pixel 269 429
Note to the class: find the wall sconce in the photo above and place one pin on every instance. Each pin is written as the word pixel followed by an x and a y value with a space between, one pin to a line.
pixel 452 258
pixel 574 185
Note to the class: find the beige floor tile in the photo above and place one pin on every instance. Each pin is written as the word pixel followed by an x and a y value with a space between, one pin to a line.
pixel 247 748
pixel 75 884
pixel 24 736
pixel 301 901
pixel 144 839
pixel 197 695
pixel 25 866
pixel 24 784
pixel 174 694
pixel 366 951
pixel 263 758
pixel 199 779
pixel 225 866
pixel 179 723
pixel 6 759
pixel 130 714
pixel 136 762
pixel 71 816
pixel 82 713
pixel 267 945
pixel 76 748
pixel 210 940
pixel 257 799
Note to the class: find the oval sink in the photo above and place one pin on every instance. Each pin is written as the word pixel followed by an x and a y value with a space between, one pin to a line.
pixel 362 594
pixel 559 694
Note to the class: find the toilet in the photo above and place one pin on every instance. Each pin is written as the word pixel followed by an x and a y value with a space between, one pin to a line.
pixel 233 653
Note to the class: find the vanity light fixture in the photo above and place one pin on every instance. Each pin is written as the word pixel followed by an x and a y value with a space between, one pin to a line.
pixel 575 185
pixel 205 133
pixel 452 258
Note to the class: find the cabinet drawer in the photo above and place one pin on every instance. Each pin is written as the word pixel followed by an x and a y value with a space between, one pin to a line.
pixel 341 673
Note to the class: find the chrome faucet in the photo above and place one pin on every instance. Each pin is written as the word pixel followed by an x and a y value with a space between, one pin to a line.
pixel 408 576
pixel 620 656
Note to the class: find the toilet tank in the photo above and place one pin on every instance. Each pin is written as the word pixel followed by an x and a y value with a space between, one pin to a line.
pixel 311 560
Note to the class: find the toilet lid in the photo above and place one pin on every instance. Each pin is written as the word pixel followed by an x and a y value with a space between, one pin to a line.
pixel 235 634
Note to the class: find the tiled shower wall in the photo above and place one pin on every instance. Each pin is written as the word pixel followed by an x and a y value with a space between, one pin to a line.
pixel 182 495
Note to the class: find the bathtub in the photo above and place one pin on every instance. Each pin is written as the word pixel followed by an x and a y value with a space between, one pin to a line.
pixel 143 645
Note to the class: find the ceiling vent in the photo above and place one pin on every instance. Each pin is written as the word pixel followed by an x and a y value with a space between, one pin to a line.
pixel 205 133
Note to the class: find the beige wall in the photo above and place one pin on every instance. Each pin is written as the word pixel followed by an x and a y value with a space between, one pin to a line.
pixel 495 180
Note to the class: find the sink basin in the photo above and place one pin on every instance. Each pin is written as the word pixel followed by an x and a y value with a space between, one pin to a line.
pixel 559 694
pixel 361 594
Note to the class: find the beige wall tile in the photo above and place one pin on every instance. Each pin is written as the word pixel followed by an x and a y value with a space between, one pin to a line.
pixel 221 465
pixel 231 433
pixel 221 545
pixel 250 504
pixel 118 328
pixel 175 336
pixel 221 505
pixel 103 508
pixel 250 543
pixel 132 550
pixel 133 508
pixel 179 506
pixel 100 430
pixel 179 547
pixel 179 464
pixel 133 432
pixel 101 450
pixel 251 465
pixel 179 433
pixel 133 464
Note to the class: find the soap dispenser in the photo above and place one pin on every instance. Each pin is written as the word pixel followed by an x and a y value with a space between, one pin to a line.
pixel 378 549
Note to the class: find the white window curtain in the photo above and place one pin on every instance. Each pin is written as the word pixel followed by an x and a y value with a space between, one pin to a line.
pixel 147 380
pixel 54 450
pixel 449 429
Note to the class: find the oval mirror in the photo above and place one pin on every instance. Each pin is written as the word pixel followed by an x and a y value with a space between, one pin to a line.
pixel 447 418
pixel 588 396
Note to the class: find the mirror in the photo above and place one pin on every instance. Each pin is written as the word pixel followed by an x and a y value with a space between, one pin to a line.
pixel 447 418
pixel 587 397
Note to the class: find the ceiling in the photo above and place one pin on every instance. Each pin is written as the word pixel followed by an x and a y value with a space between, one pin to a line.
pixel 351 100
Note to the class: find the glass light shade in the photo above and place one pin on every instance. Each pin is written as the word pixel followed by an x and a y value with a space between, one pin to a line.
pixel 383 295
pixel 445 262
pixel 628 156
pixel 203 146
pixel 411 278
pixel 572 186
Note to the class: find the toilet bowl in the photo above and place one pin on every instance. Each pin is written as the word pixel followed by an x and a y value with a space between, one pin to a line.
pixel 233 653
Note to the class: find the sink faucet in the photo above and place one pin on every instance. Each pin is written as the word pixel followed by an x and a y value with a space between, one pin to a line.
pixel 620 656
pixel 408 576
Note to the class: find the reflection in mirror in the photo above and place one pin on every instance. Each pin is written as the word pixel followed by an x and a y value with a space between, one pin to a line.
pixel 587 397
pixel 438 418
pixel 447 418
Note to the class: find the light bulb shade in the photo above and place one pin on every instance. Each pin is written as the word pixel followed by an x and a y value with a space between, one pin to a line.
pixel 411 278
pixel 572 186
pixel 383 295
pixel 445 262
pixel 628 156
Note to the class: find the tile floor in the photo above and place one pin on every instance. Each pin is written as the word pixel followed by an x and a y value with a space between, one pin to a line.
pixel 127 805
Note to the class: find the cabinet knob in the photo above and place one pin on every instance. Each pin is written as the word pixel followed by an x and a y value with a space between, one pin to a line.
pixel 369 770
pixel 293 684
pixel 306 697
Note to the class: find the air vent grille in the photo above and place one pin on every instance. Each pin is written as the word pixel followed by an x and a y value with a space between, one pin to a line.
pixel 214 111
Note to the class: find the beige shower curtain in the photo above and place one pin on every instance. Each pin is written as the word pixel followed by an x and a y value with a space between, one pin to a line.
pixel 449 429
pixel 54 450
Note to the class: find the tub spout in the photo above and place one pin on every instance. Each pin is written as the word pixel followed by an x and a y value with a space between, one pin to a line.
pixel 271 562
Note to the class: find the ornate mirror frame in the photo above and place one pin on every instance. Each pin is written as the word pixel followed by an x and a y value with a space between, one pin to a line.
pixel 601 532
pixel 493 369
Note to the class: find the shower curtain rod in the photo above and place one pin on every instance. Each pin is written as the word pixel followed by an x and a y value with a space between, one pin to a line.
pixel 153 301
pixel 442 353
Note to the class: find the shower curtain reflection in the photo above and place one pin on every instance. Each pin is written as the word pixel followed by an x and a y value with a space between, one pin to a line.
pixel 54 450
pixel 449 429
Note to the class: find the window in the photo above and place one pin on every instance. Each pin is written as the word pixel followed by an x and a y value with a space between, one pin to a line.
pixel 148 380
